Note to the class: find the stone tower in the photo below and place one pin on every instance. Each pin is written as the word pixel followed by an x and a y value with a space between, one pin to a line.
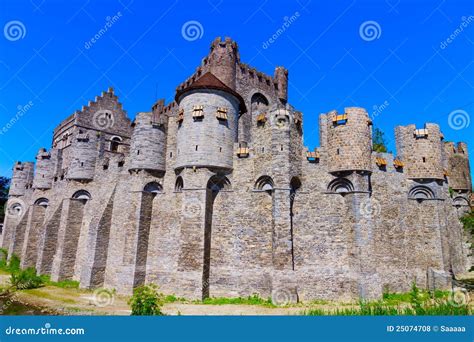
pixel 421 151
pixel 281 80
pixel 22 178
pixel 458 166
pixel 45 165
pixel 223 60
pixel 83 156
pixel 207 124
pixel 349 140
pixel 148 144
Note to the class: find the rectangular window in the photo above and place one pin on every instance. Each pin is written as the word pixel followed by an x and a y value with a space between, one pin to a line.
pixel 221 113
pixel 198 112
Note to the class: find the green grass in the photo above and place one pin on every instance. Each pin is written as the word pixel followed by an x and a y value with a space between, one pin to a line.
pixel 174 299
pixel 416 302
pixel 46 295
pixel 250 300
pixel 430 308
pixel 65 284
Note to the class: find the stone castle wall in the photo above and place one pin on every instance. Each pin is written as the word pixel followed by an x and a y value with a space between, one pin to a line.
pixel 250 210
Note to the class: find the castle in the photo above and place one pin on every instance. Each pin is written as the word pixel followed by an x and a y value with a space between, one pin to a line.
pixel 214 194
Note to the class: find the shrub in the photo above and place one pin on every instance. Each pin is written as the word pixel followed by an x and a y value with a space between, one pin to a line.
pixel 3 259
pixel 14 264
pixel 146 301
pixel 26 279
pixel 468 222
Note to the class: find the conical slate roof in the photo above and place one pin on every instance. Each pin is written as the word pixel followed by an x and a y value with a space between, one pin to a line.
pixel 209 81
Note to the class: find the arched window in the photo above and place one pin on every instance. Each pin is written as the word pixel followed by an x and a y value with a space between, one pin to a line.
pixel 460 202
pixel 178 186
pixel 259 102
pixel 44 202
pixel 264 183
pixel 153 187
pixel 217 183
pixel 295 184
pixel 340 185
pixel 82 194
pixel 421 193
pixel 115 143
pixel 15 209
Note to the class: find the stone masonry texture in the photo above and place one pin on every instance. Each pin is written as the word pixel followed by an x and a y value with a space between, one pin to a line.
pixel 214 194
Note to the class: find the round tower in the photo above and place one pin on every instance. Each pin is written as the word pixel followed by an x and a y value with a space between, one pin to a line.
pixel 148 144
pixel 207 123
pixel 83 156
pixel 44 172
pixel 421 151
pixel 459 176
pixel 281 79
pixel 349 140
pixel 22 178
pixel 223 60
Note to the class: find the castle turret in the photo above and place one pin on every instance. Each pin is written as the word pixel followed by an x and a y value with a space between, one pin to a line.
pixel 349 140
pixel 223 60
pixel 281 79
pixel 83 155
pixel 421 151
pixel 45 167
pixel 459 175
pixel 207 123
pixel 148 145
pixel 22 178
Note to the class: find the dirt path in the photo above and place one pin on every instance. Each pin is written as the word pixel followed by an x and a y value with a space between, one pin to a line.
pixel 72 301
pixel 83 302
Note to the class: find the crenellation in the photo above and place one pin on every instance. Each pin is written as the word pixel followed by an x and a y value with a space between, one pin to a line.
pixel 215 194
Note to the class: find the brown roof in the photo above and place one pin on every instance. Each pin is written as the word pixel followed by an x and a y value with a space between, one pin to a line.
pixel 209 81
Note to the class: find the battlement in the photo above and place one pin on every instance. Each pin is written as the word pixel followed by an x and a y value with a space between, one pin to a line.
pixel 348 139
pixel 421 150
pixel 45 166
pixel 22 178
pixel 148 145
pixel 458 168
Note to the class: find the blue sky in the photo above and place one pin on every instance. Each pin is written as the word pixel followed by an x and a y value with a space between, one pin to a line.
pixel 401 68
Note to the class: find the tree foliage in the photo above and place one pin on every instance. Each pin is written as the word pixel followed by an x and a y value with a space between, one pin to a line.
pixel 379 143
pixel 4 187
